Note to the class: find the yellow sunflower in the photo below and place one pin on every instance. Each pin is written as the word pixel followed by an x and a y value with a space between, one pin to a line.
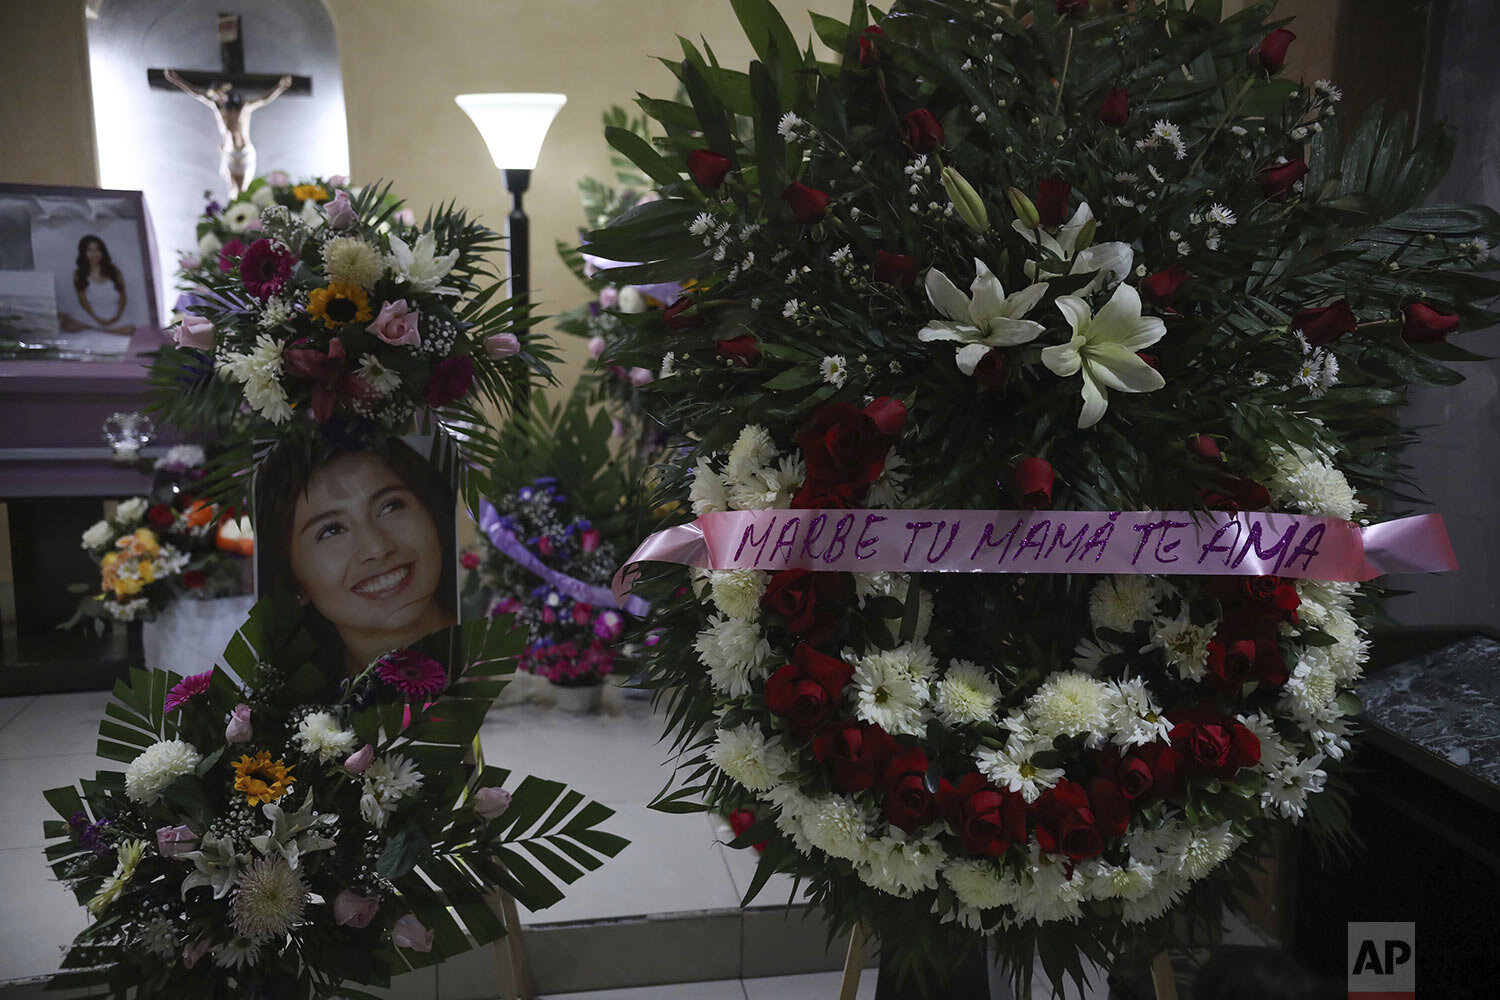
pixel 261 779
pixel 317 192
pixel 339 303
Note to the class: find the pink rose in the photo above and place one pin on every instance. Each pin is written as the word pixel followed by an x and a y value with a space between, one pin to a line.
pixel 192 952
pixel 189 262
pixel 278 178
pixel 338 181
pixel 641 376
pixel 396 324
pixel 590 539
pixel 609 297
pixel 409 933
pixel 340 211
pixel 500 346
pixel 353 910
pixel 194 331
pixel 490 802
pixel 174 840
pixel 596 347
pixel 360 759
pixel 239 730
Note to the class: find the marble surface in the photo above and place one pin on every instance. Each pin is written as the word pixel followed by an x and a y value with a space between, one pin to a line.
pixel 1445 702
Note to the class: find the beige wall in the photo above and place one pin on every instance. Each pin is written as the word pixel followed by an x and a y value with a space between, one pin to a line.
pixel 46 116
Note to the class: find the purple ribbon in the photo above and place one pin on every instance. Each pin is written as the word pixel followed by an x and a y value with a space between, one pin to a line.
pixel 600 597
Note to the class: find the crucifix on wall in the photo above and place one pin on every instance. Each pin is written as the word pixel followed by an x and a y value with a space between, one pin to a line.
pixel 222 91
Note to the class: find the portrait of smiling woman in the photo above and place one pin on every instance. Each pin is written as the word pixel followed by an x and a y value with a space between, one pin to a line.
pixel 365 542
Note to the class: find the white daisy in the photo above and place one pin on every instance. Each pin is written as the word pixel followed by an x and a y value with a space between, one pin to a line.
pixel 1014 768
pixel 1134 718
pixel 788 125
pixel 835 370
pixel 378 376
pixel 392 778
pixel 701 224
pixel 1220 216
pixel 1288 787
pixel 887 693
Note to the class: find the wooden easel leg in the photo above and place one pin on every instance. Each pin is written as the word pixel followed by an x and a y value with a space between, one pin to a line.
pixel 854 961
pixel 513 977
pixel 1162 979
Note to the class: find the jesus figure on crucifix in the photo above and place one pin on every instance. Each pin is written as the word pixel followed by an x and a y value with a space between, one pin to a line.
pixel 236 152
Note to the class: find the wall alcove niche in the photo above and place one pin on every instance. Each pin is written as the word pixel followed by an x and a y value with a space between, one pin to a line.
pixel 165 143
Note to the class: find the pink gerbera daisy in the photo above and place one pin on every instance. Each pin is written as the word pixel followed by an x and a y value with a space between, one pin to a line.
pixel 411 673
pixel 265 267
pixel 186 689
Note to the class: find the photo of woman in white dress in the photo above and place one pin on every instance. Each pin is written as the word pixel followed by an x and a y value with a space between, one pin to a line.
pixel 100 291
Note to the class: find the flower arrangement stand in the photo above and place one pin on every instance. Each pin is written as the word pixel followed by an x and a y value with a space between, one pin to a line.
pixel 510 953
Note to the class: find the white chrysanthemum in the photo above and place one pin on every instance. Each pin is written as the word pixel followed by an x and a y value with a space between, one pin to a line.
pixel 1134 719
pixel 1068 702
pixel 239 215
pixel 1313 485
pixel 901 866
pixel 352 261
pixel 752 451
pixel 1164 892
pixel 837 826
pixel 1273 749
pixel 380 378
pixel 835 370
pixel 1288 787
pixel 1106 881
pixel 1014 767
pixel 1118 602
pixel 269 899
pixel 1331 737
pixel 321 734
pixel 392 777
pixel 791 806
pixel 734 651
pixel 1183 645
pixel 274 312
pixel 259 372
pixel 737 592
pixel 980 884
pixel 1347 656
pixel 1048 893
pixel 371 811
pixel 966 694
pixel 159 938
pixel 750 758
pixel 239 953
pixel 889 488
pixel 887 693
pixel 766 486
pixel 1311 688
pixel 1194 852
pixel 128 512
pixel 707 490
pixel 98 536
pixel 157 767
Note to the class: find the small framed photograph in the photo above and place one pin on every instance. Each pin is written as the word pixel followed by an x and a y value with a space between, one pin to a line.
pixel 365 541
pixel 76 272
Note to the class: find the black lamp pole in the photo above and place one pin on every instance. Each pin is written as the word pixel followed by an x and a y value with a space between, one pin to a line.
pixel 518 235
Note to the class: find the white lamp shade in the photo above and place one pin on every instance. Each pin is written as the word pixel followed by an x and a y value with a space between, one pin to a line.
pixel 513 125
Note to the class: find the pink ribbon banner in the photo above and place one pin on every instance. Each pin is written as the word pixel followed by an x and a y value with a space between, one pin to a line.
pixel 1211 543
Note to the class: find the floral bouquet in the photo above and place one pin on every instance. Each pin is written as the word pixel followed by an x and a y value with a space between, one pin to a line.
pixel 601 321
pixel 550 541
pixel 1070 258
pixel 344 322
pixel 154 550
pixel 298 836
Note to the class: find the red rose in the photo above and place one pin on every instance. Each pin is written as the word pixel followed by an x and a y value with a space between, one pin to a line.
pixel 868 54
pixel 1237 494
pixel 805 691
pixel 1052 202
pixel 815 495
pixel 1075 821
pixel 1212 743
pixel 908 803
pixel 1275 597
pixel 741 350
pixel 1205 448
pixel 741 820
pixel 677 316
pixel 450 380
pixel 989 820
pixel 808 204
pixel 1326 324
pixel 1131 775
pixel 857 751
pixel 1425 325
pixel 1270 53
pixel 990 372
pixel 846 446
pixel 1115 111
pixel 1231 664
pixel 1033 479
pixel 160 515
pixel 923 133
pixel 1162 287
pixel 192 579
pixel 895 268
pixel 808 601
pixel 1164 765
pixel 708 168
pixel 1278 180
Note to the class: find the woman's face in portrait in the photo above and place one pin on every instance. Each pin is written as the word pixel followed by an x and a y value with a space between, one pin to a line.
pixel 364 549
pixel 93 253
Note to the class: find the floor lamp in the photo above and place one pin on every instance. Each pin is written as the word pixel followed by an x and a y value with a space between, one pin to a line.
pixel 513 127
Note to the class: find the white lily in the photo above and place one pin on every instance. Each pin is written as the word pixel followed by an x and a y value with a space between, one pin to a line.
pixel 983 322
pixel 421 266
pixel 1103 349
pixel 1112 261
